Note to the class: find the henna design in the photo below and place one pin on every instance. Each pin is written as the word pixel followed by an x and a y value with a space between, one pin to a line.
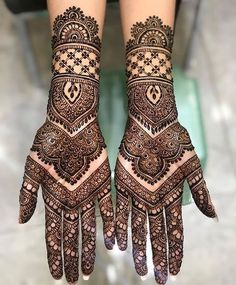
pixel 122 216
pixel 139 232
pixel 63 149
pixel 89 237
pixel 151 33
pixel 148 62
pixel 158 242
pixel 70 243
pixel 152 157
pixel 152 105
pixel 64 105
pixel 70 156
pixel 159 155
pixel 59 201
pixel 74 27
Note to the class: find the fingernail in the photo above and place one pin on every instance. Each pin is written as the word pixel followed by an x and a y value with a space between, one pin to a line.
pixel 144 277
pixel 86 277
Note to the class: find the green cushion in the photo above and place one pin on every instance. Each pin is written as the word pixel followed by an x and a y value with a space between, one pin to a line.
pixel 113 113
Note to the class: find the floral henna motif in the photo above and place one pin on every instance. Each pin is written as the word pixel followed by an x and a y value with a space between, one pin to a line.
pixel 73 26
pixel 64 105
pixel 152 105
pixel 67 143
pixel 70 156
pixel 152 157
pixel 159 155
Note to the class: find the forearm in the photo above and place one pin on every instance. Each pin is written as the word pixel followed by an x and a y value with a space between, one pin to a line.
pixel 149 65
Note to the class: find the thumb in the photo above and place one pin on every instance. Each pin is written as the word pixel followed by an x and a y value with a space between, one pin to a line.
pixel 29 190
pixel 198 188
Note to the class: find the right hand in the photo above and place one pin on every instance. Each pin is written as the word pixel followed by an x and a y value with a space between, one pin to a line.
pixel 73 172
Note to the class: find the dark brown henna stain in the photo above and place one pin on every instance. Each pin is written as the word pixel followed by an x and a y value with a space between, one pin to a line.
pixel 70 156
pixel 70 140
pixel 88 220
pixel 152 157
pixel 139 236
pixel 153 142
pixel 122 216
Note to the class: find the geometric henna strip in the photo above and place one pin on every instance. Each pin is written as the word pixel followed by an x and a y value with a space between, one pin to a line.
pixel 70 156
pixel 139 237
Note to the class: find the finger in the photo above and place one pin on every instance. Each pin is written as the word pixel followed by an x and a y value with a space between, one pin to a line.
pixel 159 244
pixel 29 190
pixel 71 244
pixel 106 209
pixel 197 184
pixel 88 223
pixel 139 236
pixel 122 216
pixel 53 234
pixel 174 225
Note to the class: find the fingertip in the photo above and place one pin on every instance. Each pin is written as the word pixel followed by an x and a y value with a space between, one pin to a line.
pixel 216 219
pixel 122 247
pixel 144 277
pixel 86 277
pixel 173 277
pixel 160 276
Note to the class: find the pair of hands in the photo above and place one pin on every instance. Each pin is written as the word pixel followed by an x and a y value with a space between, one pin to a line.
pixel 69 160
pixel 74 171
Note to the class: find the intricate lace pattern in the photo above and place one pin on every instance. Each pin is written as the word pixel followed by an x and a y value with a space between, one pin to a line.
pixel 73 26
pixel 151 157
pixel 152 104
pixel 70 156
pixel 151 33
pixel 64 105
pixel 148 62
pixel 159 156
pixel 66 145
pixel 80 60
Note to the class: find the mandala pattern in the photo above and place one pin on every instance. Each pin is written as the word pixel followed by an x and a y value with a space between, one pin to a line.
pixel 70 156
pixel 152 157
pixel 159 156
pixel 65 147
pixel 73 26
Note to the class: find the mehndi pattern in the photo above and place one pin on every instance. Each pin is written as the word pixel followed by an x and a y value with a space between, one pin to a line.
pixel 68 158
pixel 156 156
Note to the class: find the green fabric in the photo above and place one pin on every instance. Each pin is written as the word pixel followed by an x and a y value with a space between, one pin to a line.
pixel 113 114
